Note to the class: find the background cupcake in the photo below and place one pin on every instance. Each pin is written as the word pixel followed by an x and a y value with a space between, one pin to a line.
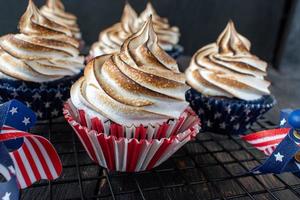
pixel 168 36
pixel 55 11
pixel 134 97
pixel 111 39
pixel 229 91
pixel 39 64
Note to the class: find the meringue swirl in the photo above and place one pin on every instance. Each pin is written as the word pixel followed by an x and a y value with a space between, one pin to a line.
pixel 139 85
pixel 167 36
pixel 55 11
pixel 43 50
pixel 111 39
pixel 226 68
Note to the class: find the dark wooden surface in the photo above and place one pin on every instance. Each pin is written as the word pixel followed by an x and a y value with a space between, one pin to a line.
pixel 200 22
pixel 212 167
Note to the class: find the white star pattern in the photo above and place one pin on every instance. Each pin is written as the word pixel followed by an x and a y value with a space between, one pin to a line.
pixel 54 112
pixel 208 106
pixel 228 109
pixel 14 94
pixel 282 122
pixel 200 111
pixel 209 124
pixel 278 157
pixel 247 119
pixel 13 110
pixel 222 125
pixel 28 104
pixel 43 86
pixel 26 121
pixel 58 95
pixel 217 115
pixel 247 111
pixel 39 114
pixel 36 96
pixel 47 104
pixel 6 196
pixel 236 127
pixel 233 118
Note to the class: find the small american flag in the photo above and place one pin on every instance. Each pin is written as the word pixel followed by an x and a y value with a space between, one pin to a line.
pixel 36 159
pixel 33 156
pixel 267 140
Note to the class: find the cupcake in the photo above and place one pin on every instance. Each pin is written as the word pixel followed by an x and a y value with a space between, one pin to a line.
pixel 168 36
pixel 111 39
pixel 55 11
pixel 39 64
pixel 229 91
pixel 131 105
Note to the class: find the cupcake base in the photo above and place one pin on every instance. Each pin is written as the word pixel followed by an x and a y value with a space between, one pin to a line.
pixel 130 149
pixel 228 116
pixel 45 99
pixel 176 51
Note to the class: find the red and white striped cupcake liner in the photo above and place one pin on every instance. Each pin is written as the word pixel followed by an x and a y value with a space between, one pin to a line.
pixel 131 149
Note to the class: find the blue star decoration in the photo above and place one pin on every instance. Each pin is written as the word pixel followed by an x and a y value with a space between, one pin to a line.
pixel 285 157
pixel 15 114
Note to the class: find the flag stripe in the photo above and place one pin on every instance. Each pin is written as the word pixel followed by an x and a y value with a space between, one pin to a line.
pixel 19 164
pixel 26 164
pixel 47 158
pixel 19 175
pixel 41 158
pixel 29 157
pixel 38 169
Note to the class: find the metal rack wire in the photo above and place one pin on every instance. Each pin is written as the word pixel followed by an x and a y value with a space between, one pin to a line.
pixel 211 167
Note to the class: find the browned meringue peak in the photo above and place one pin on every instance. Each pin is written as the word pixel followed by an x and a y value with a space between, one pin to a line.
pixel 55 11
pixel 167 36
pixel 125 88
pixel 227 68
pixel 44 51
pixel 111 39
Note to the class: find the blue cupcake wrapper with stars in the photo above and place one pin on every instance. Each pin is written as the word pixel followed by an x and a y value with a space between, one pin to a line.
pixel 176 51
pixel 45 99
pixel 228 116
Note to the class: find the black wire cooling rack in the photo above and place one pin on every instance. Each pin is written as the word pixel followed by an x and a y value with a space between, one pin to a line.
pixel 211 167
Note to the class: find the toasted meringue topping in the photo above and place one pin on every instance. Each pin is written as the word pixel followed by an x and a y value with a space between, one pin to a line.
pixel 227 68
pixel 43 51
pixel 139 85
pixel 167 36
pixel 111 39
pixel 55 11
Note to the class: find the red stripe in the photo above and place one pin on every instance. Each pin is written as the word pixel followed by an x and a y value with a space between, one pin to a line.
pixel 22 168
pixel 83 135
pixel 30 159
pixel 272 142
pixel 52 154
pixel 13 135
pixel 108 152
pixel 159 153
pixel 265 133
pixel 134 149
pixel 41 158
pixel 82 118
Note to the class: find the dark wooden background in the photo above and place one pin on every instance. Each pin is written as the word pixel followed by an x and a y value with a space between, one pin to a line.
pixel 200 22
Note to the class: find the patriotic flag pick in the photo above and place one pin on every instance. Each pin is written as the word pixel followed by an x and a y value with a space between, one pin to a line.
pixel 33 156
pixel 281 145
pixel 9 189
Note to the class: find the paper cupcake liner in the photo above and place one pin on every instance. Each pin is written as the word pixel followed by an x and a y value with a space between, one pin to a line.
pixel 228 116
pixel 45 99
pixel 138 151
pixel 176 51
